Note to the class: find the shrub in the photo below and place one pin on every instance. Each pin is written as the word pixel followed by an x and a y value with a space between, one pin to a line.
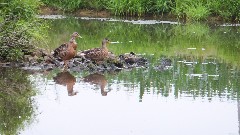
pixel 20 30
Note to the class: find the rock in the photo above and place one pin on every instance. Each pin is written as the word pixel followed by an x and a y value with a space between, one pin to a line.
pixel 165 63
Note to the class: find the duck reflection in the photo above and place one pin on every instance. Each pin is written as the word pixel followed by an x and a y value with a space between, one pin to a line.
pixel 66 79
pixel 97 79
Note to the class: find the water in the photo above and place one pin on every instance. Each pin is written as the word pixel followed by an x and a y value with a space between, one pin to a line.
pixel 197 94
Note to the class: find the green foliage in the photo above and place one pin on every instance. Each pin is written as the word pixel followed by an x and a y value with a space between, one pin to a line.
pixel 19 28
pixel 126 7
pixel 95 4
pixel 228 9
pixel 191 9
pixel 16 104
pixel 139 7
pixel 163 6
pixel 65 5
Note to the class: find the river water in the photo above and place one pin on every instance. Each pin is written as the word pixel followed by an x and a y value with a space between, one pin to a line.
pixel 196 92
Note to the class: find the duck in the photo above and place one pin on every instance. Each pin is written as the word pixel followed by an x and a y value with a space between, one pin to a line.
pixel 68 50
pixel 97 54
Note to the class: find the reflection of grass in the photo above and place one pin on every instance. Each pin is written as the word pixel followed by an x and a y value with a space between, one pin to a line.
pixel 16 105
pixel 157 39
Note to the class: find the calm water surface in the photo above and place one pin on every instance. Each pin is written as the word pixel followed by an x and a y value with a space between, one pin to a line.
pixel 197 94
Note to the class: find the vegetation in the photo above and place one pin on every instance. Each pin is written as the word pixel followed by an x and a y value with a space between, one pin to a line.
pixel 20 30
pixel 189 9
pixel 16 103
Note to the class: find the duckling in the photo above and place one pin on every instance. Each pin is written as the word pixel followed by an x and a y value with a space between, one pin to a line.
pixel 97 54
pixel 68 50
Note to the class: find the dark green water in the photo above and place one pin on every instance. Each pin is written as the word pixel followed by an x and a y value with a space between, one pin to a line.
pixel 197 94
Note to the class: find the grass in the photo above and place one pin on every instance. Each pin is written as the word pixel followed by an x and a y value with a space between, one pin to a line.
pixel 189 9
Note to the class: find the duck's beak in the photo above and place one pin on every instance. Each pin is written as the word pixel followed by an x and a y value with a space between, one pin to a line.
pixel 79 36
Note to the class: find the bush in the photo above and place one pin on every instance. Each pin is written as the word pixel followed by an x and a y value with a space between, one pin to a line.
pixel 20 30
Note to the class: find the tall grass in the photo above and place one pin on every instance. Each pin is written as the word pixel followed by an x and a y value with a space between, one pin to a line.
pixel 228 9
pixel 65 5
pixel 189 9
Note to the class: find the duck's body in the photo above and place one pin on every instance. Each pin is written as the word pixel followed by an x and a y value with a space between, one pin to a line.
pixel 68 50
pixel 97 54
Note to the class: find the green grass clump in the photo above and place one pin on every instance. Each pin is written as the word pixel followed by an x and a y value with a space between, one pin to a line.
pixel 191 9
pixel 126 7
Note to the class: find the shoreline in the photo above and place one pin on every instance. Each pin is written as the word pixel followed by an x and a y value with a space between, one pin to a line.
pixel 46 10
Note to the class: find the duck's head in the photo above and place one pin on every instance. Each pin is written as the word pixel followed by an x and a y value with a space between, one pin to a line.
pixel 106 41
pixel 75 35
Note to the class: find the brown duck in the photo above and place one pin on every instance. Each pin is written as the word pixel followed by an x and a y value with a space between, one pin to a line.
pixel 68 50
pixel 97 54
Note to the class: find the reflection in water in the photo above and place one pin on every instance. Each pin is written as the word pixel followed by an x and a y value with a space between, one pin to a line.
pixel 16 104
pixel 97 79
pixel 66 79
pixel 238 109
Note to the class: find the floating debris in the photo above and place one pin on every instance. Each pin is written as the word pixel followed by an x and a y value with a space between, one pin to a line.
pixel 191 48
pixel 117 42
pixel 189 62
